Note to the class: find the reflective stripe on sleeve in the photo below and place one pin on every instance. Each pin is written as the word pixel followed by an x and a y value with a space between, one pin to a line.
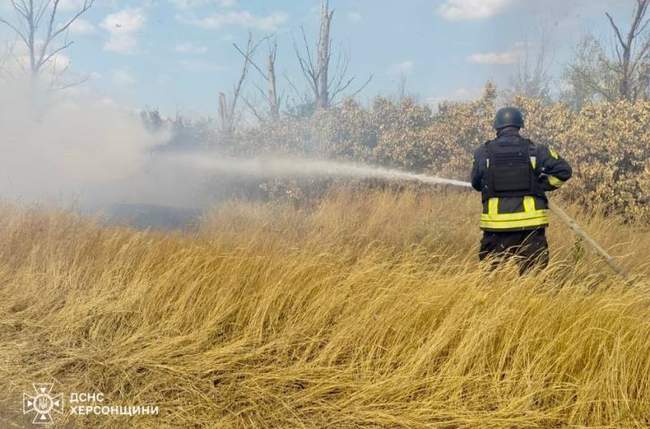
pixel 555 182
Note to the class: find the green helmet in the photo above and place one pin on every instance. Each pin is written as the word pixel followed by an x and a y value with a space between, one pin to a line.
pixel 508 117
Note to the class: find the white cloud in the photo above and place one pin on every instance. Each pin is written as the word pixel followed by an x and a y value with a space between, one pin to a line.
pixel 190 48
pixel 460 94
pixel 82 27
pixel 239 18
pixel 458 10
pixel 122 27
pixel 355 16
pixel 123 77
pixel 405 67
pixel 190 4
pixel 500 58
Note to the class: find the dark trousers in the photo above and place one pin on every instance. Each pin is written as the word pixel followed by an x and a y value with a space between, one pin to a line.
pixel 528 248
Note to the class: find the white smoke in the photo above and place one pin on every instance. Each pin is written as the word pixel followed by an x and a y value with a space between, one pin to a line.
pixel 300 167
pixel 62 144
pixel 71 146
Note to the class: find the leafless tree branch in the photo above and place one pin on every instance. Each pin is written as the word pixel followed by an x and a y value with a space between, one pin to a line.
pixel 325 81
pixel 623 75
pixel 39 37
pixel 269 75
pixel 227 108
pixel 253 110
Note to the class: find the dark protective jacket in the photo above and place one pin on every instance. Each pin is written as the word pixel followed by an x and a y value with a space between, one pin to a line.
pixel 525 212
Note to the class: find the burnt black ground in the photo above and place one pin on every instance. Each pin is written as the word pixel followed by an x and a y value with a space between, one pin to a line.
pixel 144 216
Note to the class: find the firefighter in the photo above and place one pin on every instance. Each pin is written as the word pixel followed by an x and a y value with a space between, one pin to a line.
pixel 513 174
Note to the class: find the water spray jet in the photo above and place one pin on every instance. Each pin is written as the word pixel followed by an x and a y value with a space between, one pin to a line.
pixel 275 167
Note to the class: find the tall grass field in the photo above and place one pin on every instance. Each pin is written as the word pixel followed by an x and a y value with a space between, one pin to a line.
pixel 366 310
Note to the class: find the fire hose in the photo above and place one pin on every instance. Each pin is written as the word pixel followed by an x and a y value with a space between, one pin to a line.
pixel 575 227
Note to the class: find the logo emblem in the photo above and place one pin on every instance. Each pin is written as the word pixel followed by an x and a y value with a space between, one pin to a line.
pixel 43 403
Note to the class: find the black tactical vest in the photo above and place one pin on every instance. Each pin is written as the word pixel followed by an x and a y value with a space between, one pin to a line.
pixel 510 170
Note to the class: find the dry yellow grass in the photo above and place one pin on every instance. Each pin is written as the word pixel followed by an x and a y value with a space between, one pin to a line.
pixel 366 311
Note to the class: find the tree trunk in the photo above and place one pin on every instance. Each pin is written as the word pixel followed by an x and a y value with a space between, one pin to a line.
pixel 324 43
pixel 274 103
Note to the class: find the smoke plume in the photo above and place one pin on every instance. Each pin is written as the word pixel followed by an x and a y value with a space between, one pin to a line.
pixel 62 145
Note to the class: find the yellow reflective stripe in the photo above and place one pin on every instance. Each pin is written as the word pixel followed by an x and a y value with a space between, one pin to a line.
pixel 507 217
pixel 530 217
pixel 529 204
pixel 541 221
pixel 553 153
pixel 493 206
pixel 555 182
pixel 533 161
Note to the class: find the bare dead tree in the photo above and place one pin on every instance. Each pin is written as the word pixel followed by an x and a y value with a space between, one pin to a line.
pixel 324 84
pixel 629 58
pixel 623 75
pixel 532 78
pixel 37 29
pixel 324 55
pixel 271 95
pixel 591 75
pixel 227 108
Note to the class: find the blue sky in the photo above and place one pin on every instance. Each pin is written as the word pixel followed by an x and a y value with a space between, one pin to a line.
pixel 177 54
